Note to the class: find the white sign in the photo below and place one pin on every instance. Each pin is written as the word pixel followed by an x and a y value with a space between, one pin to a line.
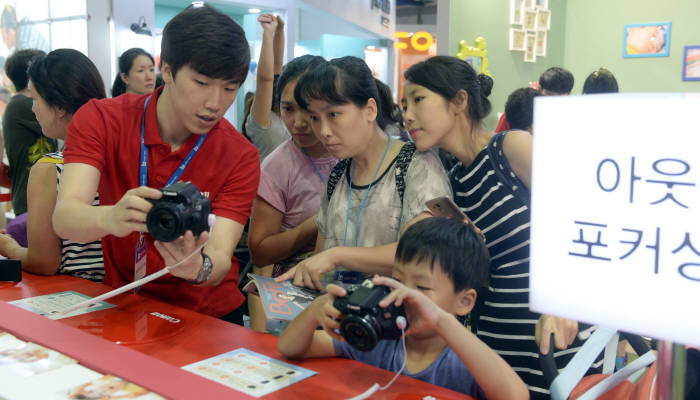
pixel 616 212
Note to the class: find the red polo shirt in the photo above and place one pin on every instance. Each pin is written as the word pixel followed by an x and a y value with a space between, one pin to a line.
pixel 106 134
pixel 503 124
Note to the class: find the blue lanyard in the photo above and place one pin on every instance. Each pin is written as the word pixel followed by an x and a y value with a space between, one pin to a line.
pixel 318 171
pixel 357 217
pixel 143 166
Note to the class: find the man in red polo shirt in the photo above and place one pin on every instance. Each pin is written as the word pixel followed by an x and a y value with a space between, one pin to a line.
pixel 205 59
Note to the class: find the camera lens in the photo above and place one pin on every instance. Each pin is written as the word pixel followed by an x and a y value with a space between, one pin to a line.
pixel 359 332
pixel 165 222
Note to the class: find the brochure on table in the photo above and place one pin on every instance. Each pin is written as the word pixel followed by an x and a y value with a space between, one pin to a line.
pixel 50 304
pixel 249 372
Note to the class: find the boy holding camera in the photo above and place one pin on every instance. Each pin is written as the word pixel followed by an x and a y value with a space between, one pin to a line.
pixel 439 264
pixel 128 146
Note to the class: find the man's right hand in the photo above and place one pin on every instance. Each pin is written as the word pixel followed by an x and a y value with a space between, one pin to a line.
pixel 129 214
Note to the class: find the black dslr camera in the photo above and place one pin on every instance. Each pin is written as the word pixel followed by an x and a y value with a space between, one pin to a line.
pixel 364 323
pixel 182 207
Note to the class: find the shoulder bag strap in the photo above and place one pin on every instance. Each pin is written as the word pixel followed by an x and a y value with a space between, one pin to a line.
pixel 403 160
pixel 335 176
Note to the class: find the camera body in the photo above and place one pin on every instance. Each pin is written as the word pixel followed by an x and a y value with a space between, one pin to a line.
pixel 364 323
pixel 181 208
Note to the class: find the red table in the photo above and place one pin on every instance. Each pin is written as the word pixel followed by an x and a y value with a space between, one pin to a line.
pixel 178 337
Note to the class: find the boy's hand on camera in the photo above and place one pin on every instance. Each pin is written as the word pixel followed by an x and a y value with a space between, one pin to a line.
pixel 423 314
pixel 268 22
pixel 129 214
pixel 327 315
pixel 181 248
pixel 308 272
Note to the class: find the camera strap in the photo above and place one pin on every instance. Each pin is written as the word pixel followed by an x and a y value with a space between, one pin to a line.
pixel 140 250
pixel 143 165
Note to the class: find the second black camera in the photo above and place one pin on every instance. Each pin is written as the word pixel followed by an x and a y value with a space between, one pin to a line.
pixel 364 323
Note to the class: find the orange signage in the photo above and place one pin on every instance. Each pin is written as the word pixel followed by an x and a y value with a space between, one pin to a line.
pixel 419 41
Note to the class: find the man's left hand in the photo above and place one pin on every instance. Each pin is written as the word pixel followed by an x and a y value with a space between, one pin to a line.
pixel 181 249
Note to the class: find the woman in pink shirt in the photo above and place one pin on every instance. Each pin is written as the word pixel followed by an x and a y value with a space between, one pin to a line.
pixel 293 176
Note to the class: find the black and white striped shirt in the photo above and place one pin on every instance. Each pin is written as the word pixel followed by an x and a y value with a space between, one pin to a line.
pixel 83 260
pixel 505 321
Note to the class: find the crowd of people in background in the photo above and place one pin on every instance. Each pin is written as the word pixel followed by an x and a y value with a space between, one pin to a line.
pixel 328 183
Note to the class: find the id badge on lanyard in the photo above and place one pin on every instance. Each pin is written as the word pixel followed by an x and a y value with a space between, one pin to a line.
pixel 142 244
pixel 140 259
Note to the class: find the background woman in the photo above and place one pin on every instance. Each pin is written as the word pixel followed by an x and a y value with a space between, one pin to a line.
pixel 136 73
pixel 263 128
pixel 59 83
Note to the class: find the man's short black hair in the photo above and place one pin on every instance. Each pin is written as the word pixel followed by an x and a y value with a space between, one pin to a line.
pixel 207 41
pixel 17 64
pixel 455 246
pixel 557 80
pixel 519 108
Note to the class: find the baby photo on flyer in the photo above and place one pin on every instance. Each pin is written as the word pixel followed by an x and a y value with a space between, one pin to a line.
pixel 110 387
pixel 27 359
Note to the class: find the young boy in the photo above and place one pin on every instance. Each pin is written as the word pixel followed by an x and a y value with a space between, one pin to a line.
pixel 438 266
pixel 130 146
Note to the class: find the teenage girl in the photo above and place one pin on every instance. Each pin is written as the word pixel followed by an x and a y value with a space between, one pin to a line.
pixel 263 128
pixel 293 176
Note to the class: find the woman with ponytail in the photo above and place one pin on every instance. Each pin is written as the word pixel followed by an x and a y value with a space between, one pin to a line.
pixel 391 112
pixel 379 187
pixel 445 102
pixel 136 73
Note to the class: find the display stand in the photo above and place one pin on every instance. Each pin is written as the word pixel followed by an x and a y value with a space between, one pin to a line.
pixel 671 371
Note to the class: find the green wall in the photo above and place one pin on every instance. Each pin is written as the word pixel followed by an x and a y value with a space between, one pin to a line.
pixel 584 35
pixel 490 19
pixel 594 39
